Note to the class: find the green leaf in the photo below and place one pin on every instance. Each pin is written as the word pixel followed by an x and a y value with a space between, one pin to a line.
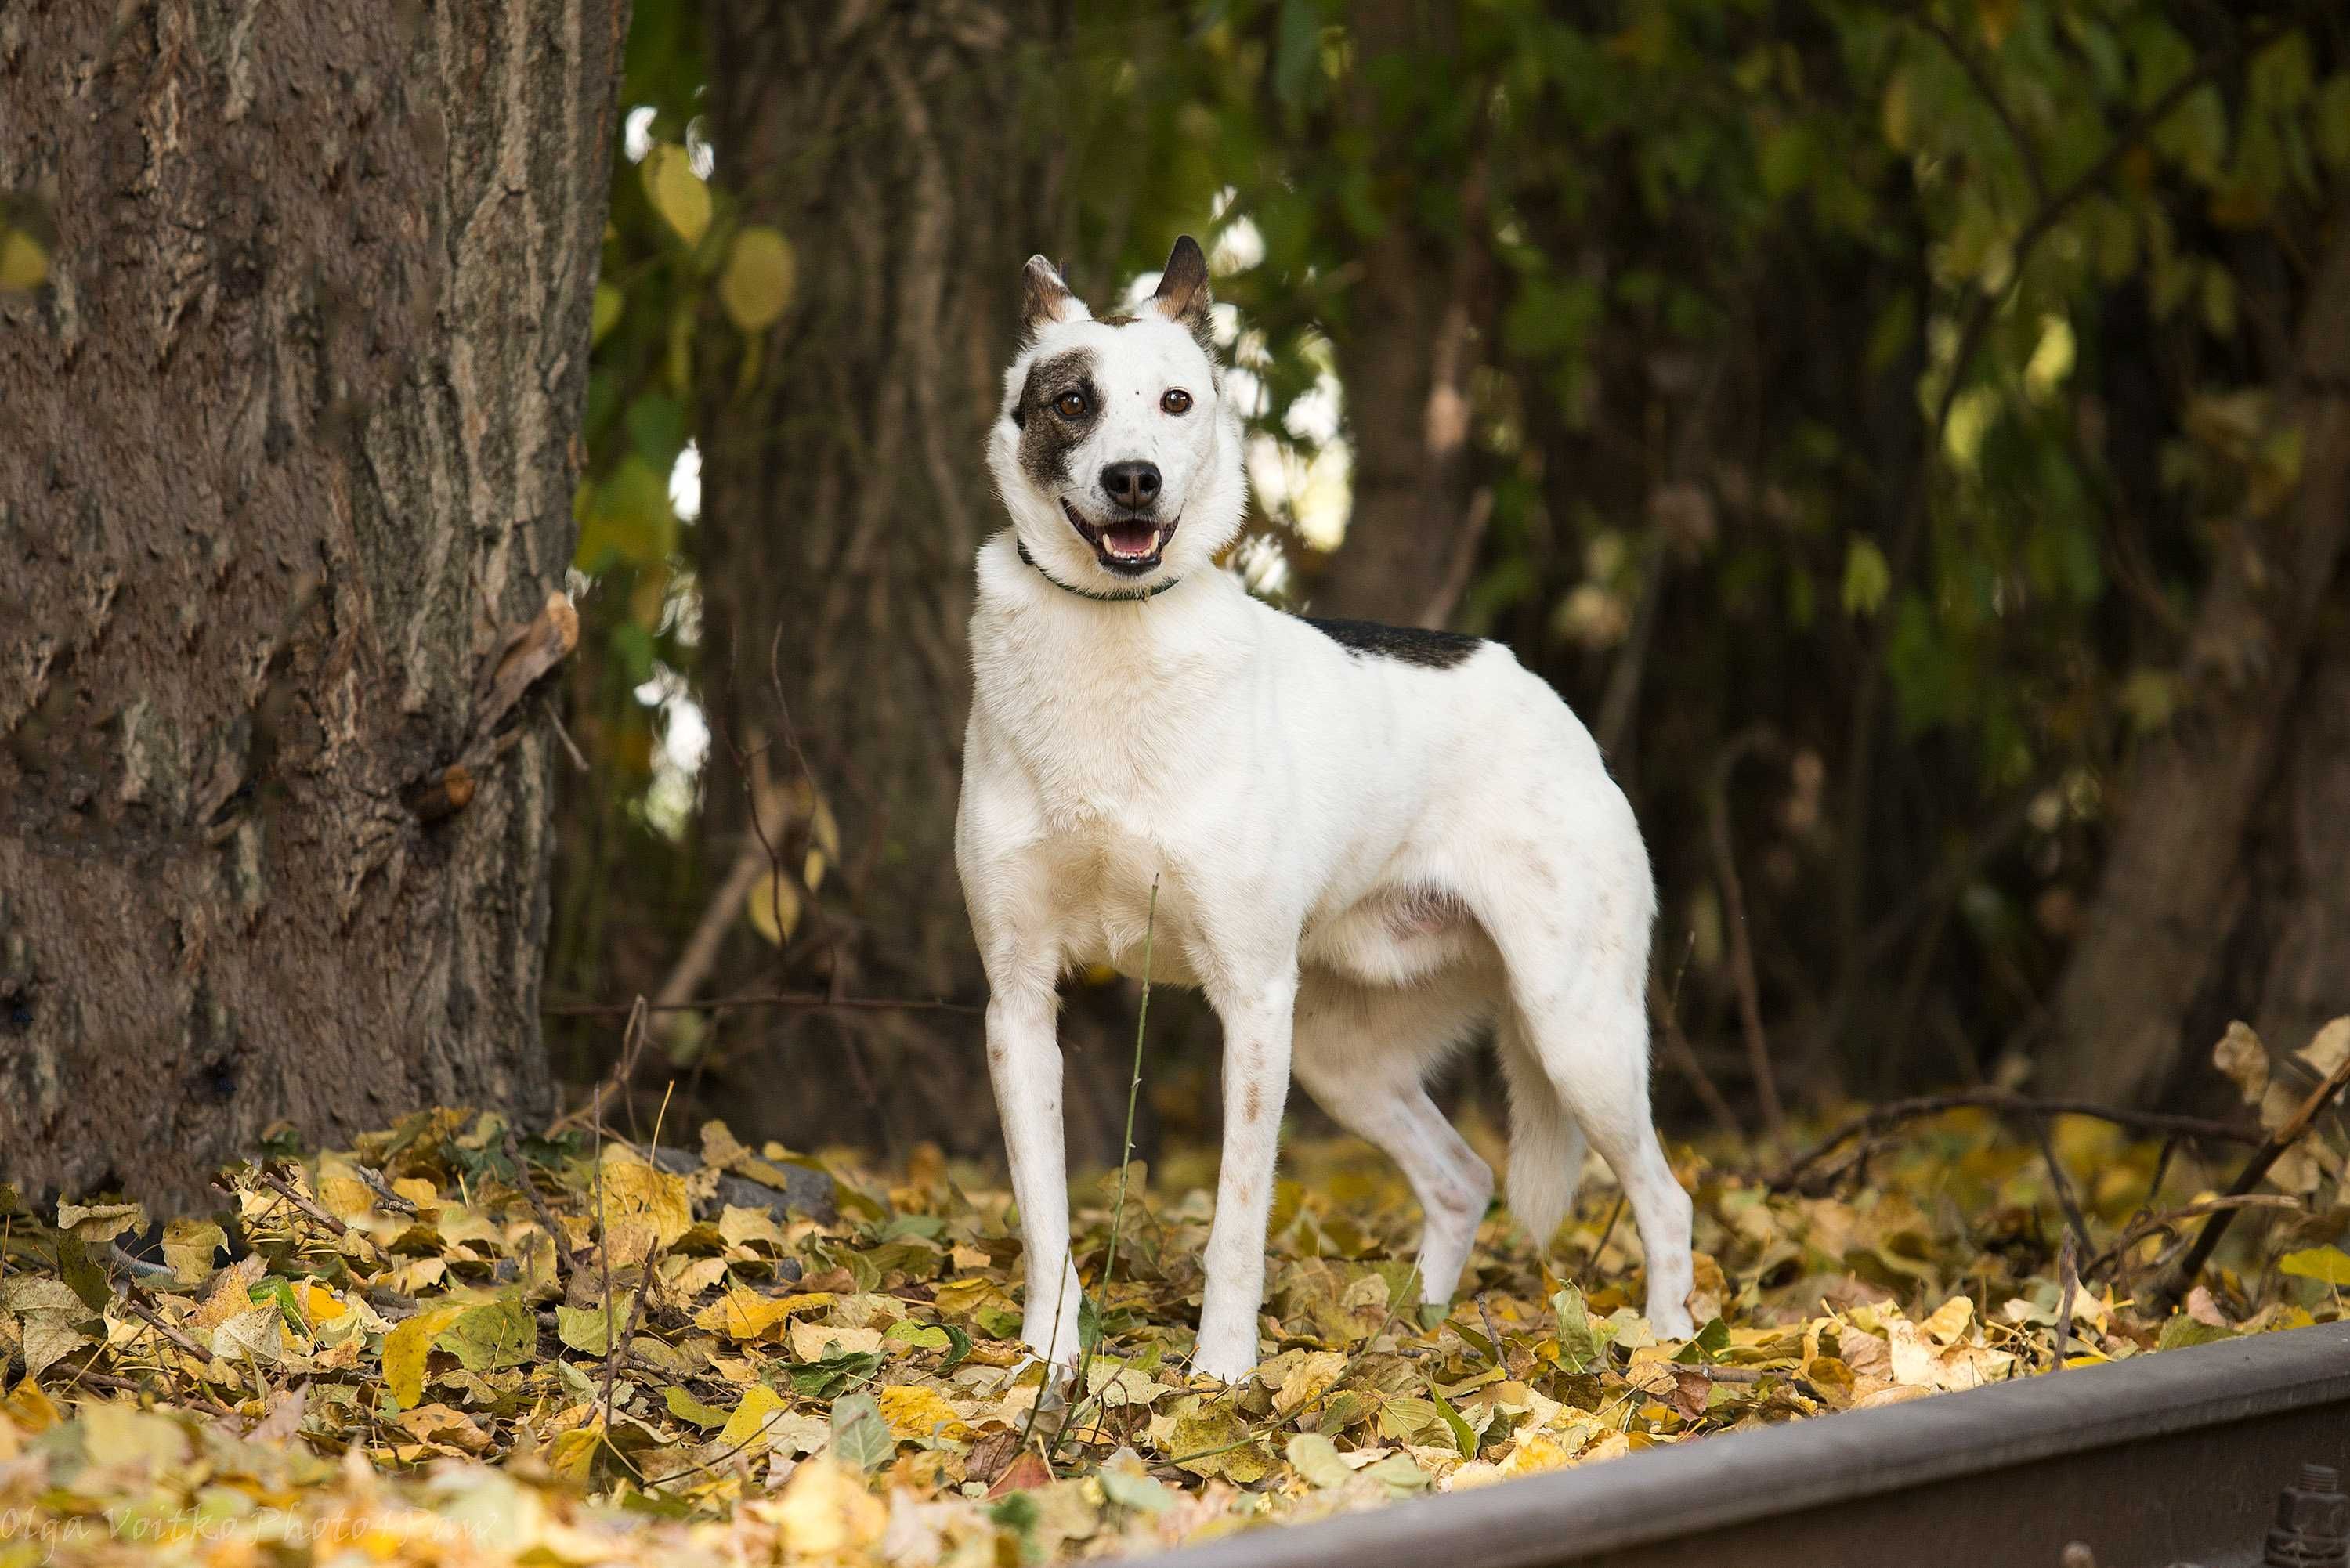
pixel 920 1336
pixel 606 312
pixel 860 1438
pixel 1711 1342
pixel 686 1408
pixel 1129 1489
pixel 1463 1437
pixel 484 1338
pixel 1582 1344
pixel 1867 576
pixel 589 1329
pixel 824 1378
pixel 1316 1458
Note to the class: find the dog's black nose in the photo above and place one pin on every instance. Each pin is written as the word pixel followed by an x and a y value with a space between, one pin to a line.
pixel 1133 485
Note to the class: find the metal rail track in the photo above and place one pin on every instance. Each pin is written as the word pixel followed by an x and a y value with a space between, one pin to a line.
pixel 2158 1460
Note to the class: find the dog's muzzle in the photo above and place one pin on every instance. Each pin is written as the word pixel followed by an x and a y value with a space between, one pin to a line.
pixel 1127 546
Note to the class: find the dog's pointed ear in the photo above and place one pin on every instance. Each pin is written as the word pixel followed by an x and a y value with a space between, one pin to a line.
pixel 1182 295
pixel 1045 300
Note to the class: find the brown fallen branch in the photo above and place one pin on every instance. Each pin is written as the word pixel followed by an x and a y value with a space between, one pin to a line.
pixel 315 1211
pixel 2006 1101
pixel 2292 1130
pixel 154 1320
pixel 2167 1225
pixel 162 1397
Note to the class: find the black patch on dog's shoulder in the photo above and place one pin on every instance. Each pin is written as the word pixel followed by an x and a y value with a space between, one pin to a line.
pixel 1435 649
pixel 1047 437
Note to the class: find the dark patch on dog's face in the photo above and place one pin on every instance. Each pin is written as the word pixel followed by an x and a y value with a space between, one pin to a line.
pixel 1366 639
pixel 1051 423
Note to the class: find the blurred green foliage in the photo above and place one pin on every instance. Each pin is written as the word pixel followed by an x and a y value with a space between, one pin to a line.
pixel 1877 375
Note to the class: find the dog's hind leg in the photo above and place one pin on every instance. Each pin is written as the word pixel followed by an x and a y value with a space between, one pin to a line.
pixel 1581 1015
pixel 1360 1052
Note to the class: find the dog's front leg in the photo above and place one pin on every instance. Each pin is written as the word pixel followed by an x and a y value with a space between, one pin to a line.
pixel 1024 1060
pixel 1257 1021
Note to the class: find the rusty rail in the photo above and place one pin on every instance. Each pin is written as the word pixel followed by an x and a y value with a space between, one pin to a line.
pixel 2159 1460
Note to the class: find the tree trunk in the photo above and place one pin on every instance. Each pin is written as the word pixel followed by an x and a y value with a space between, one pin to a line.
pixel 1420 324
pixel 844 497
pixel 288 457
pixel 2175 886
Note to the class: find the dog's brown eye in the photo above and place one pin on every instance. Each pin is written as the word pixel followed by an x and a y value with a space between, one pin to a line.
pixel 1176 400
pixel 1070 405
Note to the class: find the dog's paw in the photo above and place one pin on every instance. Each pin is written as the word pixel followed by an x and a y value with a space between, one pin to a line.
pixel 1672 1322
pixel 1231 1366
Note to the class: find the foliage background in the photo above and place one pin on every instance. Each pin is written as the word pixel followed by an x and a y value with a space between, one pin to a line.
pixel 1855 411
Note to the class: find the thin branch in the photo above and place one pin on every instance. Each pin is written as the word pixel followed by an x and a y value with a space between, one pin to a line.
pixel 2006 1101
pixel 2076 1224
pixel 1741 946
pixel 564 1255
pixel 804 1001
pixel 2256 1169
pixel 2027 154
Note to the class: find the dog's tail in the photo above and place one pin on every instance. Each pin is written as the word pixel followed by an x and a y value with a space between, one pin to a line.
pixel 1547 1143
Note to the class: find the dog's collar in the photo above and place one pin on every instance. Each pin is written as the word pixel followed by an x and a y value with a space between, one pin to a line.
pixel 1129 596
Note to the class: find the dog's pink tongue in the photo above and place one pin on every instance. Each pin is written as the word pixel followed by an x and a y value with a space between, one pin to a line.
pixel 1130 538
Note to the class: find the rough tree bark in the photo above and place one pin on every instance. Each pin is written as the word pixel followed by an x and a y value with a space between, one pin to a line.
pixel 845 494
pixel 1421 325
pixel 2175 891
pixel 287 456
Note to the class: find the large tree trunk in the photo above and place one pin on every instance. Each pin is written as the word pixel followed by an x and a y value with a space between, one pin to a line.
pixel 844 497
pixel 287 456
pixel 2176 890
pixel 1418 325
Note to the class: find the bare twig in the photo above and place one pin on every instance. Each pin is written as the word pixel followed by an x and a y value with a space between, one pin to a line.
pixel 564 1255
pixel 317 1212
pixel 2007 1102
pixel 2076 1224
pixel 804 1001
pixel 1683 1055
pixel 148 1316
pixel 2293 1129
pixel 632 1047
pixel 2071 1281
pixel 2167 1224
pixel 1741 946
pixel 1977 73
pixel 204 1402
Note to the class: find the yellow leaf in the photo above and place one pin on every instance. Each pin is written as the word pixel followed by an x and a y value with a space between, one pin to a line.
pixel 406 1349
pixel 24 265
pixel 756 287
pixel 2326 1265
pixel 812 870
pixel 746 1315
pixel 914 1413
pixel 825 1512
pixel 773 906
pixel 606 312
pixel 676 191
pixel 747 1426
pixel 635 1191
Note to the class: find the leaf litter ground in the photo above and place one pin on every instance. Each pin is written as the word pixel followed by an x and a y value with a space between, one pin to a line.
pixel 446 1345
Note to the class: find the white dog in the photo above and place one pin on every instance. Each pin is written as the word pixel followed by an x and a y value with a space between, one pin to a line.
pixel 1366 843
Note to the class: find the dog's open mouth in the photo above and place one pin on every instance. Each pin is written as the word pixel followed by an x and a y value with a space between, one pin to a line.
pixel 1127 546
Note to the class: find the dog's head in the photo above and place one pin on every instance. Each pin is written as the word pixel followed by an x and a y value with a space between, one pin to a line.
pixel 1116 451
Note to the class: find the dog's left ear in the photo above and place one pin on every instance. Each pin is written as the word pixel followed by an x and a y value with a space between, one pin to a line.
pixel 1182 295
